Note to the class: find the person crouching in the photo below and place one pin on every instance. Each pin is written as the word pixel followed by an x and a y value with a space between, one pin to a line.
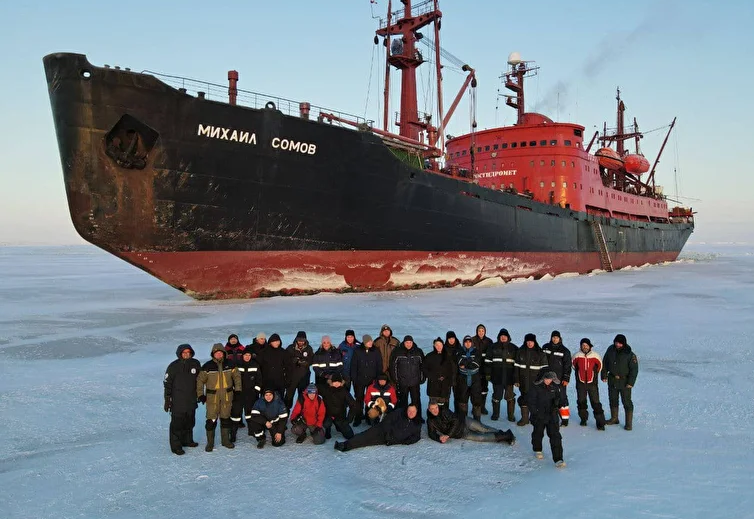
pixel 308 416
pixel 269 414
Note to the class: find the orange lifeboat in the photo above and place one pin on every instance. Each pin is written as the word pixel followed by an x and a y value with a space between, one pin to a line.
pixel 609 158
pixel 636 164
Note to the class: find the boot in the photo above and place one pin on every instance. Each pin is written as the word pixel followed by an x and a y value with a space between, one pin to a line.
pixel 241 425
pixel 300 438
pixel 629 420
pixel 357 421
pixel 328 433
pixel 582 423
pixel 341 446
pixel 210 441
pixel 225 433
pixel 190 440
pixel 179 451
pixel 233 433
pixel 505 436
pixel 476 412
pixel 524 417
pixel 564 423
pixel 613 416
pixel 260 442
pixel 495 411
pixel 511 410
pixel 484 409
pixel 463 409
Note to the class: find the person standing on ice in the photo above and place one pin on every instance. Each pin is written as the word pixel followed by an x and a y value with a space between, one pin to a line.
pixel 269 415
pixel 530 359
pixel 234 352
pixel 482 344
pixel 366 366
pixel 559 362
pixel 620 367
pixel 401 427
pixel 180 398
pixel 251 385
pixel 216 385
pixel 234 349
pixel 259 343
pixel 276 366
pixel 544 404
pixel 500 360
pixel 439 371
pixel 328 360
pixel 469 379
pixel 301 357
pixel 442 425
pixel 406 369
pixel 308 416
pixel 453 347
pixel 588 364
pixel 385 344
pixel 347 348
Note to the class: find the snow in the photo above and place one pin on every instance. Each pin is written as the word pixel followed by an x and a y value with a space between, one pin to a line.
pixel 85 339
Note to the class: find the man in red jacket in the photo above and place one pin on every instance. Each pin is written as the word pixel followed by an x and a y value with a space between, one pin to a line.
pixel 588 364
pixel 308 415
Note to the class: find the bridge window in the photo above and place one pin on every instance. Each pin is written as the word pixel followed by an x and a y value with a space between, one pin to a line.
pixel 541 183
pixel 573 164
pixel 553 143
pixel 514 144
pixel 567 143
pixel 574 185
pixel 613 195
pixel 577 133
pixel 463 152
pixel 486 148
pixel 565 185
pixel 531 163
pixel 543 143
pixel 552 184
pixel 479 149
pixel 458 154
pixel 532 143
pixel 563 163
pixel 552 163
pixel 504 145
pixel 541 162
pixel 523 144
pixel 495 147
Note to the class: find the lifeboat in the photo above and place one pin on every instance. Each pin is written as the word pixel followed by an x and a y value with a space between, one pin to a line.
pixel 609 158
pixel 636 164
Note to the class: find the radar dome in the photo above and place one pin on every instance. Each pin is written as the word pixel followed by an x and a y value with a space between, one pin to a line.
pixel 514 58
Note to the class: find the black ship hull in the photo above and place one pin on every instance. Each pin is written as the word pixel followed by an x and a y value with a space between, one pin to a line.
pixel 227 201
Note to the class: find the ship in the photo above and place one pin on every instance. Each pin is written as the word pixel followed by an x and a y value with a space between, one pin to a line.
pixel 225 193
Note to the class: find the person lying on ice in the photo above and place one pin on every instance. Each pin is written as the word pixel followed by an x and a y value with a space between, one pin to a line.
pixel 401 427
pixel 442 425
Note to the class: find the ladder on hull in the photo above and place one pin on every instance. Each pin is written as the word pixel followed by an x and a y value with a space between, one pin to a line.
pixel 599 237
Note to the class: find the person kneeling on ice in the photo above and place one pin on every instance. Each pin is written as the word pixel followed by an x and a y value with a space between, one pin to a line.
pixel 442 425
pixel 309 415
pixel 544 406
pixel 401 427
pixel 269 414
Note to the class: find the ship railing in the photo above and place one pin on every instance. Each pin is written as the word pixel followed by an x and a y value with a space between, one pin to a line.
pixel 416 10
pixel 217 92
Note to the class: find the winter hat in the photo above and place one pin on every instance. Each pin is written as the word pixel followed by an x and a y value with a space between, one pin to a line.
pixel 311 389
pixel 268 390
pixel 301 335
pixel 555 333
pixel 503 331
pixel 366 339
pixel 586 340
pixel 620 338
pixel 408 338
pixel 550 375
pixel 382 376
pixel 337 377
pixel 530 337
pixel 261 335
pixel 233 335
pixel 438 339
pixel 247 351
pixel 450 334
pixel 275 337
pixel 385 327
pixel 326 338
pixel 433 401
pixel 467 338
pixel 350 332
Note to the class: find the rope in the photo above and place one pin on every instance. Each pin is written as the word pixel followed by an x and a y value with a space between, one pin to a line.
pixel 369 83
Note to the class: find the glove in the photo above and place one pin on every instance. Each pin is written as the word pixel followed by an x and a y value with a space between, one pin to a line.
pixel 202 399
pixel 167 404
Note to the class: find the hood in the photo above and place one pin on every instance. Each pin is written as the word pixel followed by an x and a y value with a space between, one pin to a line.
pixel 503 331
pixel 620 338
pixel 386 327
pixel 274 337
pixel 184 347
pixel 450 334
pixel 217 347
pixel 481 327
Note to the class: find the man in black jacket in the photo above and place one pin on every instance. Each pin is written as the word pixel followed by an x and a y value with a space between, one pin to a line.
pixel 443 425
pixel 366 366
pixel 620 367
pixel 544 403
pixel 406 370
pixel 530 360
pixel 500 360
pixel 276 366
pixel 401 427
pixel 180 398
pixel 559 362
pixel 340 407
pixel 469 379
pixel 301 357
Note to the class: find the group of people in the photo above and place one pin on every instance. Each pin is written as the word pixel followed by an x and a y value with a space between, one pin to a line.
pixel 378 382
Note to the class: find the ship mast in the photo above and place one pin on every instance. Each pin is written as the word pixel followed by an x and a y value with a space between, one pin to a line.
pixel 514 80
pixel 403 55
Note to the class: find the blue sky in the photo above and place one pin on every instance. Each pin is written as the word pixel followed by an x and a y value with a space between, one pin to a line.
pixel 692 59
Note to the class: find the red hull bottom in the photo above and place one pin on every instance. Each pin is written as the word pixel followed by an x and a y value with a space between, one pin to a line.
pixel 243 275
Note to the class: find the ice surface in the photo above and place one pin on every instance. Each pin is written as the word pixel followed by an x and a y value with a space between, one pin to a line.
pixel 85 339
